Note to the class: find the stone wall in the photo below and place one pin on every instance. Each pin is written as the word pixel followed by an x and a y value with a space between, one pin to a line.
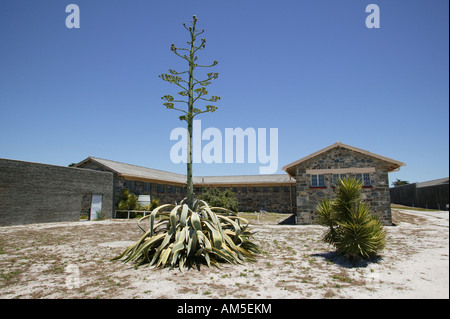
pixel 350 162
pixel 165 193
pixel 40 193
pixel 278 198
pixel 271 198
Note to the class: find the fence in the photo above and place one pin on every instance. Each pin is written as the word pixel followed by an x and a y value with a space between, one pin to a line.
pixel 135 212
pixel 430 197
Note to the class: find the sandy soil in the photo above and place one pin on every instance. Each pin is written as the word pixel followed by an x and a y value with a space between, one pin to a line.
pixel 72 260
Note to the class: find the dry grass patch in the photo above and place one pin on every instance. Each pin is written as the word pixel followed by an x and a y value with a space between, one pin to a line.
pixel 294 264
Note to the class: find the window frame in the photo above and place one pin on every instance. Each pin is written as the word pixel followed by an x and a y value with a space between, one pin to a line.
pixel 339 177
pixel 365 178
pixel 315 180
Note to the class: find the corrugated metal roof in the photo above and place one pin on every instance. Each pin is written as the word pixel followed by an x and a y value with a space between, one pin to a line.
pixel 140 171
pixel 145 173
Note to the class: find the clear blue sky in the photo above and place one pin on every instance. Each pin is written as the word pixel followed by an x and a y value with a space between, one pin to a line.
pixel 312 69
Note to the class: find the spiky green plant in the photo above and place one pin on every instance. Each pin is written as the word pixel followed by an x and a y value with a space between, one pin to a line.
pixel 352 228
pixel 184 237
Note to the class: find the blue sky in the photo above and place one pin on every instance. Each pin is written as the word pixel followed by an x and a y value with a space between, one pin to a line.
pixel 312 69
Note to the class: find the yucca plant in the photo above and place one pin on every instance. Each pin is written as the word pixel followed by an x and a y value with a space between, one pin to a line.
pixel 352 228
pixel 184 237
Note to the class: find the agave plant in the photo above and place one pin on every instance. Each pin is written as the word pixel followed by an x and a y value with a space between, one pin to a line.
pixel 352 228
pixel 184 237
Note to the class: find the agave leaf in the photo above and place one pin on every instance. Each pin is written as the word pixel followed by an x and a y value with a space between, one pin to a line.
pixel 208 261
pixel 164 256
pixel 173 217
pixel 236 227
pixel 195 220
pixel 223 210
pixel 216 236
pixel 182 261
pixel 191 241
pixel 153 215
pixel 223 255
pixel 162 246
pixel 184 214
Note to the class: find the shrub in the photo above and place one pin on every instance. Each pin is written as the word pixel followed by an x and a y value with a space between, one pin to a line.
pixel 128 201
pixel 187 237
pixel 352 228
pixel 153 204
pixel 217 198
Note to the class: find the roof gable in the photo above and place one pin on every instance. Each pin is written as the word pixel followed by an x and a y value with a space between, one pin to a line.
pixel 390 163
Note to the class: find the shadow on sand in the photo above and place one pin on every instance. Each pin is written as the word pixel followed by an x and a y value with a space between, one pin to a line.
pixel 340 260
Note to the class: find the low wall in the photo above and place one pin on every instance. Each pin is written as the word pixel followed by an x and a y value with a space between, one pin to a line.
pixel 40 193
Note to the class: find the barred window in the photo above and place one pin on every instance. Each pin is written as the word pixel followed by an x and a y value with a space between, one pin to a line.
pixel 317 180
pixel 337 177
pixel 365 178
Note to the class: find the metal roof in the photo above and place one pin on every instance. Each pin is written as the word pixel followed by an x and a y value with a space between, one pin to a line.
pixel 135 172
pixel 433 182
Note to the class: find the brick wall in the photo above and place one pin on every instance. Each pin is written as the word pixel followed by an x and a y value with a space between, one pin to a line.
pixel 40 193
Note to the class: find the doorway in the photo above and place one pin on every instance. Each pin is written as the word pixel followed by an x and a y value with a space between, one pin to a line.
pixel 96 206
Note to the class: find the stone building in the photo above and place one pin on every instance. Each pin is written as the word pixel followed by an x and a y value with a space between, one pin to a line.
pixel 31 192
pixel 316 176
pixel 275 193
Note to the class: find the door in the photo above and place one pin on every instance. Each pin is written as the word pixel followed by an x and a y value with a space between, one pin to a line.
pixel 96 206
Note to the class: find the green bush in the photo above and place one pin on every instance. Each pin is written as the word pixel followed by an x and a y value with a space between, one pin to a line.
pixel 352 228
pixel 154 203
pixel 128 201
pixel 217 198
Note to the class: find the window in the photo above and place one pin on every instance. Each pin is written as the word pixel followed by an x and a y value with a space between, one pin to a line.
pixel 365 178
pixel 317 180
pixel 160 189
pixel 337 177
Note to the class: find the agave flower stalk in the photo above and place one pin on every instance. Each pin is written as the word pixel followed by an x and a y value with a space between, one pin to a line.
pixel 192 88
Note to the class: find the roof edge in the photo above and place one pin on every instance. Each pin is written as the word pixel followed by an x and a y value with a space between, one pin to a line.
pixel 339 144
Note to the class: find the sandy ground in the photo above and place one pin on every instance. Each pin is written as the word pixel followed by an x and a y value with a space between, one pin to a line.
pixel 72 260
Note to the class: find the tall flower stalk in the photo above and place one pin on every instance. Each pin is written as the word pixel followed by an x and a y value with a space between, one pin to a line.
pixel 192 91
